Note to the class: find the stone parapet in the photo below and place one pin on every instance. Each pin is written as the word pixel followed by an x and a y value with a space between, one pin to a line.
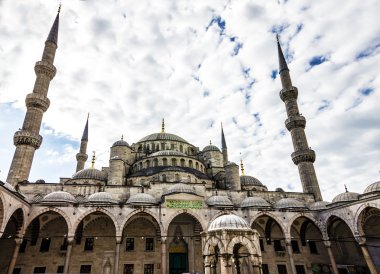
pixel 303 156
pixel 45 68
pixel 23 137
pixel 37 101
pixel 287 94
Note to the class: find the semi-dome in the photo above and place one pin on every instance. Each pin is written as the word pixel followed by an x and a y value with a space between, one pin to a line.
pixel 180 188
pixel 255 202
pixel 249 181
pixel 318 205
pixel 120 143
pixel 372 187
pixel 219 201
pixel 162 136
pixel 289 203
pixel 229 222
pixel 168 153
pixel 59 197
pixel 91 173
pixel 142 199
pixel 101 197
pixel 211 148
pixel 346 197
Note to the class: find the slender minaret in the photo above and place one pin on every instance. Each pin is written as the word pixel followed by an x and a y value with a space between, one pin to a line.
pixel 163 126
pixel 82 155
pixel 224 147
pixel 28 139
pixel 302 156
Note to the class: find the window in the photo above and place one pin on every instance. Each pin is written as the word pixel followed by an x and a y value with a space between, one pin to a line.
pixel 85 268
pixel 149 246
pixel 60 269
pixel 23 246
pixel 128 269
pixel 265 268
pixel 261 244
pixel 278 246
pixel 295 246
pixel 130 244
pixel 45 244
pixel 148 268
pixel 39 269
pixel 64 244
pixel 313 247
pixel 89 245
pixel 281 269
pixel 17 270
pixel 300 269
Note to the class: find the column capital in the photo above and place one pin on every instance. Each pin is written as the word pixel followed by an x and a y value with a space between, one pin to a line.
pixel 327 243
pixel 164 239
pixel 119 239
pixel 227 259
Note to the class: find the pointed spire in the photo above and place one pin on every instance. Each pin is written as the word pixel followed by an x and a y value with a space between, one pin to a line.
pixel 281 59
pixel 122 137
pixel 163 126
pixel 93 160
pixel 224 145
pixel 53 34
pixel 345 187
pixel 241 165
pixel 210 143
pixel 85 131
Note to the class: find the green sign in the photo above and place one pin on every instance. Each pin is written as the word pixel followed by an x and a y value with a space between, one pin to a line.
pixel 184 204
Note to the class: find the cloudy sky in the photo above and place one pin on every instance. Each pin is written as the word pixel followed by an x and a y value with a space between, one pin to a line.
pixel 199 63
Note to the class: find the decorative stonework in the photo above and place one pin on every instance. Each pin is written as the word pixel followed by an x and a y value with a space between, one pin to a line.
pixel 35 100
pixel 295 122
pixel 303 156
pixel 287 94
pixel 82 157
pixel 23 137
pixel 45 68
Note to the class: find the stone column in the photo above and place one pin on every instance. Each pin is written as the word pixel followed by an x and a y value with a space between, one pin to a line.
pixel 14 255
pixel 70 242
pixel 207 264
pixel 164 268
pixel 368 259
pixel 225 264
pixel 117 254
pixel 290 254
pixel 256 269
pixel 331 256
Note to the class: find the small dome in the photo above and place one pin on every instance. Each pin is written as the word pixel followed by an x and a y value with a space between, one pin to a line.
pixel 91 173
pixel 256 202
pixel 229 222
pixel 288 203
pixel 40 181
pixel 219 201
pixel 211 148
pixel 279 189
pixel 372 187
pixel 120 143
pixel 168 153
pixel 142 199
pixel 162 136
pixel 60 197
pixel 8 186
pixel 318 205
pixel 249 181
pixel 101 197
pixel 180 188
pixel 346 197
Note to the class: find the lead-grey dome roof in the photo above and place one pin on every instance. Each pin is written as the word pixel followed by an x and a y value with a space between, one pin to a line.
pixel 60 197
pixel 219 201
pixel 168 153
pixel 249 181
pixel 318 205
pixel 289 203
pixel 120 143
pixel 372 187
pixel 162 136
pixel 142 199
pixel 229 222
pixel 101 197
pixel 256 202
pixel 91 173
pixel 346 197
pixel 180 188
pixel 211 148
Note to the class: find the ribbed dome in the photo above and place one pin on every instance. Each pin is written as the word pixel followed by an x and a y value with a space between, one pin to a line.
pixel 256 202
pixel 142 199
pixel 8 186
pixel 219 201
pixel 91 173
pixel 229 222
pixel 101 197
pixel 60 197
pixel 211 148
pixel 249 181
pixel 372 187
pixel 162 136
pixel 318 205
pixel 346 197
pixel 180 188
pixel 288 203
pixel 168 153
pixel 120 143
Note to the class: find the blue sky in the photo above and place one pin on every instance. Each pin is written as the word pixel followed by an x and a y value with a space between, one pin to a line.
pixel 199 63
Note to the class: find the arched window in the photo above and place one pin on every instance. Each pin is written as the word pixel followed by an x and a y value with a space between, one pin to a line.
pixel 188 179
pixel 140 166
pixel 174 161
pixel 182 162
pixel 191 164
pixel 177 177
pixel 180 148
pixel 157 147
pixel 196 165
pixel 164 162
pixel 147 164
pixel 155 162
pixel 163 177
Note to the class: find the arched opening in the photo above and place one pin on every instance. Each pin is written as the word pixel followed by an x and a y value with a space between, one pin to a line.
pixel 181 148
pixel 182 162
pixel 147 164
pixel 191 163
pixel 241 259
pixel 164 162
pixel 196 165
pixel 184 245
pixel 174 162
pixel 155 162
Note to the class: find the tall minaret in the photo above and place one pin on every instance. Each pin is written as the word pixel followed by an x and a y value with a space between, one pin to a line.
pixel 303 156
pixel 224 147
pixel 82 155
pixel 28 139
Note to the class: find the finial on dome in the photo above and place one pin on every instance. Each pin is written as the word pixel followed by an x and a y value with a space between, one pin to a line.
pixel 59 7
pixel 241 165
pixel 210 143
pixel 163 126
pixel 345 187
pixel 93 160
pixel 122 137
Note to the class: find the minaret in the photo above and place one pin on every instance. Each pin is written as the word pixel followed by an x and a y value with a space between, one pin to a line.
pixel 224 147
pixel 82 155
pixel 163 126
pixel 28 139
pixel 303 156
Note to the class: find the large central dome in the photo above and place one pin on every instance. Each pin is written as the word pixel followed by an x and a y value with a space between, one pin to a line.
pixel 162 136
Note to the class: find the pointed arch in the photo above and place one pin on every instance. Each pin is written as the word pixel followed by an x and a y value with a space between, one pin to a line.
pixel 135 212
pixel 359 216
pixel 190 212
pixel 304 215
pixel 47 209
pixel 88 212
pixel 252 248
pixel 212 242
pixel 270 215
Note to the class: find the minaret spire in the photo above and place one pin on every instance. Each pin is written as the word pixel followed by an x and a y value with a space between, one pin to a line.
pixel 224 146
pixel 303 156
pixel 241 166
pixel 93 160
pixel 82 155
pixel 163 126
pixel 28 139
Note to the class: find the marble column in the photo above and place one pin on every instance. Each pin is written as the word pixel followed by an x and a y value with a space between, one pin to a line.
pixel 70 242
pixel 207 264
pixel 290 255
pixel 225 264
pixel 331 256
pixel 256 269
pixel 368 259
pixel 12 264
pixel 164 267
pixel 117 254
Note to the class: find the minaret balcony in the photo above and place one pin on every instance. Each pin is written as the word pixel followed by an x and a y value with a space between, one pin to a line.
pixel 82 157
pixel 23 137
pixel 300 156
pixel 35 100
pixel 287 94
pixel 295 122
pixel 45 68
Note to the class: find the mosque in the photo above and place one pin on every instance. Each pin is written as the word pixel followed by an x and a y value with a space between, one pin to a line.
pixel 165 206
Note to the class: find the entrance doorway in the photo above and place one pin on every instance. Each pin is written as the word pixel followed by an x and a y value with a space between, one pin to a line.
pixel 178 263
